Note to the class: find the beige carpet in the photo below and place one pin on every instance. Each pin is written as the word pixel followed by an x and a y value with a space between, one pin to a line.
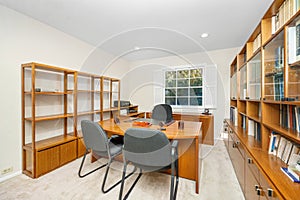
pixel 218 181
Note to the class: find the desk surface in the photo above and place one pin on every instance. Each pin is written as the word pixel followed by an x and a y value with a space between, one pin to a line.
pixel 191 129
pixel 188 146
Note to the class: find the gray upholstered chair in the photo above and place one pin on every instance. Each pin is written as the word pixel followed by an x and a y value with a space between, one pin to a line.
pixel 163 113
pixel 149 150
pixel 95 139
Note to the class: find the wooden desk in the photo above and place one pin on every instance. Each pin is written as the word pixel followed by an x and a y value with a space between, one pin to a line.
pixel 188 144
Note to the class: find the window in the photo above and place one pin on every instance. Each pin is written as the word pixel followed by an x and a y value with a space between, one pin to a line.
pixel 184 87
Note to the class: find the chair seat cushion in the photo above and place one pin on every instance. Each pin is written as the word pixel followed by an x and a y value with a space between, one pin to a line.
pixel 115 149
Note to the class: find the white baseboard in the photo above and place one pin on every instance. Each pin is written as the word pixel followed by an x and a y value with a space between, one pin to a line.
pixel 10 176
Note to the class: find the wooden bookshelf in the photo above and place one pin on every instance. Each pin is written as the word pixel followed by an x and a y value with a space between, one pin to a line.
pixel 263 103
pixel 67 97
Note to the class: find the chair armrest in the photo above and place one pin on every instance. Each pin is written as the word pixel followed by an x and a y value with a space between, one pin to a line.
pixel 174 146
pixel 114 136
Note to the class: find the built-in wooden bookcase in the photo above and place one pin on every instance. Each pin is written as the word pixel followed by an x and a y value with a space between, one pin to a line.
pixel 54 102
pixel 233 83
pixel 267 83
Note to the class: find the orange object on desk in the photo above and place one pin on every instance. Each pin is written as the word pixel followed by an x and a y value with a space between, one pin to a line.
pixel 142 124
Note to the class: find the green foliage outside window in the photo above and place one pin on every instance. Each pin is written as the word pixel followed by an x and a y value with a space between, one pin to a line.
pixel 184 87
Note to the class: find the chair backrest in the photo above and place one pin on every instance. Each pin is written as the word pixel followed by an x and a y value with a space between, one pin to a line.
pixel 94 136
pixel 148 149
pixel 162 112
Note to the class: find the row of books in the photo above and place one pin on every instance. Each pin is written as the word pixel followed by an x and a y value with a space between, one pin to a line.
pixel 294 43
pixel 234 115
pixel 283 148
pixel 290 117
pixel 254 129
pixel 285 12
pixel 256 42
pixel 289 153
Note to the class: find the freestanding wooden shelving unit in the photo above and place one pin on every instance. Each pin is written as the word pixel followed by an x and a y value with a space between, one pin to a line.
pixel 54 101
pixel 42 154
pixel 264 80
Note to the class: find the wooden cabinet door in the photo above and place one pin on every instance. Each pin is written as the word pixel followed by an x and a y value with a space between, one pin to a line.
pixel 237 158
pixel 47 160
pixel 226 140
pixel 68 152
pixel 251 179
pixel 269 193
pixel 250 185
pixel 81 147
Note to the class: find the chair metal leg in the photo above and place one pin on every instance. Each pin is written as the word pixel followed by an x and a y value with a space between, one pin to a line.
pixel 113 186
pixel 81 165
pixel 133 185
pixel 123 181
pixel 177 179
pixel 173 191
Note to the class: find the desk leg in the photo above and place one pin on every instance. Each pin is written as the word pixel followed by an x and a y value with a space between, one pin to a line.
pixel 188 150
pixel 198 165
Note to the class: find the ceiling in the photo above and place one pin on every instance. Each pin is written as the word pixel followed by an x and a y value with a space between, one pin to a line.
pixel 157 27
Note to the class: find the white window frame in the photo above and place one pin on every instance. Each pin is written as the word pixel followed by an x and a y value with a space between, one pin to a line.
pixel 186 67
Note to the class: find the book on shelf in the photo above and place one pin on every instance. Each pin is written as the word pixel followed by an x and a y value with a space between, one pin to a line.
pixel 289 117
pixel 295 157
pixel 273 144
pixel 243 125
pixel 250 127
pixel 294 171
pixel 288 174
pixel 233 115
pixel 291 44
pixel 281 147
pixel 287 9
pixel 294 43
pixel 287 151
pixel 257 131
pixel 254 129
pixel 297 40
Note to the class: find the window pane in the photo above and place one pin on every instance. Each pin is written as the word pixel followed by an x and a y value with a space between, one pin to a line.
pixel 170 75
pixel 171 101
pixel 195 91
pixel 183 83
pixel 182 101
pixel 183 73
pixel 183 92
pixel 196 82
pixel 170 83
pixel 170 92
pixel 196 101
pixel 196 73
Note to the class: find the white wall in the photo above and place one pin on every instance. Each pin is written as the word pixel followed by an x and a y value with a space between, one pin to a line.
pixel 137 84
pixel 22 40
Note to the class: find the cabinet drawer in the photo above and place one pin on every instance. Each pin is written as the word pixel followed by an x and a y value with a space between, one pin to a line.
pixel 68 152
pixel 47 160
pixel 252 166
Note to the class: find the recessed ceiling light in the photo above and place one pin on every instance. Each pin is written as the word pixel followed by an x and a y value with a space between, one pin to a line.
pixel 137 48
pixel 204 35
